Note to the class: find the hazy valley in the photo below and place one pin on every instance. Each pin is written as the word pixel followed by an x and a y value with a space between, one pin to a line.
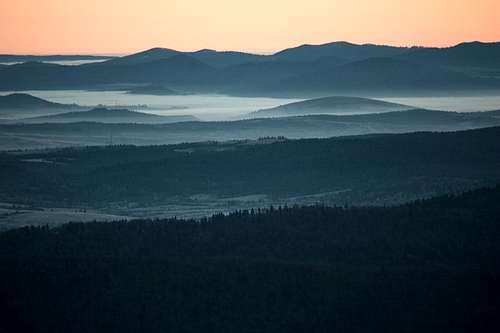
pixel 334 187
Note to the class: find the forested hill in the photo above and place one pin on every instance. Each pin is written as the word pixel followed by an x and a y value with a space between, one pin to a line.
pixel 367 169
pixel 454 229
pixel 427 266
pixel 332 105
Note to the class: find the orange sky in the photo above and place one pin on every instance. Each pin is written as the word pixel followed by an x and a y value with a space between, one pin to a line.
pixel 125 26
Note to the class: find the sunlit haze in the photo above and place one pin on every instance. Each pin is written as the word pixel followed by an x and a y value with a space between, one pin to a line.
pixel 125 26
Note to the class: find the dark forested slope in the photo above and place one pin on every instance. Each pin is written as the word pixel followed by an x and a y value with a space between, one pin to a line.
pixel 427 266
pixel 365 169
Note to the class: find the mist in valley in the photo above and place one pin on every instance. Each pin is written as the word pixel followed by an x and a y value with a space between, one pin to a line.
pixel 332 187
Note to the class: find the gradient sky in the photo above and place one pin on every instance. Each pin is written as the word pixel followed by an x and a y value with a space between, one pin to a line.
pixel 125 26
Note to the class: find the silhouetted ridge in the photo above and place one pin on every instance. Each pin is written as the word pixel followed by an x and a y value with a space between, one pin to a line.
pixel 475 54
pixel 333 104
pixel 109 116
pixel 344 50
pixel 153 54
pixel 26 101
pixel 307 70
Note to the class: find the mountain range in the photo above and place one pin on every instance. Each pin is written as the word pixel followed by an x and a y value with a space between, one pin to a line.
pixel 307 70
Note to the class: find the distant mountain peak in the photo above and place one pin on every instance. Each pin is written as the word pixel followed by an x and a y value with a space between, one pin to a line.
pixel 156 53
pixel 157 50
pixel 341 43
pixel 205 51
pixel 154 49
pixel 476 44
pixel 335 43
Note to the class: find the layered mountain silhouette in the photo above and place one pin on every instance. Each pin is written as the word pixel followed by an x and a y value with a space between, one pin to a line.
pixel 474 54
pixel 25 101
pixel 179 68
pixel 73 129
pixel 382 74
pixel 331 105
pixel 153 54
pixel 207 56
pixel 104 115
pixel 305 70
pixel 24 58
pixel 344 50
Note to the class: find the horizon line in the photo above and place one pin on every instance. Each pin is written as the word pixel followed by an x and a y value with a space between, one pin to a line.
pixel 256 52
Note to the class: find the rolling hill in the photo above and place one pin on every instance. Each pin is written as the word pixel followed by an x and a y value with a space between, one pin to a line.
pixel 401 167
pixel 331 105
pixel 20 105
pixel 343 50
pixel 179 69
pixel 210 57
pixel 24 136
pixel 473 54
pixel 103 115
pixel 153 54
pixel 22 101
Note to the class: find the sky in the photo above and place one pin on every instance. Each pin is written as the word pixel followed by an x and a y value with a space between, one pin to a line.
pixel 262 26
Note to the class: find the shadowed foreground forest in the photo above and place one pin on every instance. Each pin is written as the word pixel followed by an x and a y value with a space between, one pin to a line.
pixel 427 266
